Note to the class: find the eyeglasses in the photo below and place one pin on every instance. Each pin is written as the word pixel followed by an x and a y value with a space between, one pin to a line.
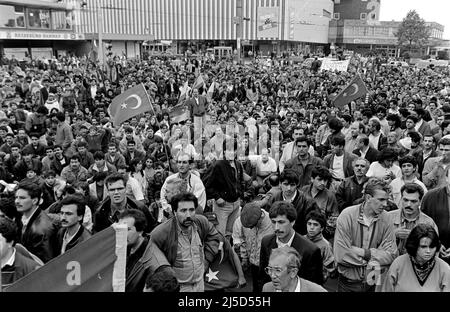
pixel 181 162
pixel 275 271
pixel 119 189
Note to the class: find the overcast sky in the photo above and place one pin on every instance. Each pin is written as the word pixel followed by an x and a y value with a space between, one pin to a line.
pixel 430 10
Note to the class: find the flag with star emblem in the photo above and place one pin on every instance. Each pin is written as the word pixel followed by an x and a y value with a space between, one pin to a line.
pixel 222 272
pixel 355 89
pixel 132 102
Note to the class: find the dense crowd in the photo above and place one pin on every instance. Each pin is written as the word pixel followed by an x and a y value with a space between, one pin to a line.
pixel 299 192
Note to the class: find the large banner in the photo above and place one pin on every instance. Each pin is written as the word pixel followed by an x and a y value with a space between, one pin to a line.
pixel 437 63
pixel 95 265
pixel 268 22
pixel 332 65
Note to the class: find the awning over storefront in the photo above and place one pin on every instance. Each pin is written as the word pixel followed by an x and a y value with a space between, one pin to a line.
pixel 40 4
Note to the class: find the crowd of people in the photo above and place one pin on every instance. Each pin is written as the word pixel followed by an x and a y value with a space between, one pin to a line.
pixel 301 191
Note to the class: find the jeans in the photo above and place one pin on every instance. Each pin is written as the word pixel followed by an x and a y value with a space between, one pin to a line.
pixel 199 125
pixel 226 215
pixel 348 285
pixel 255 278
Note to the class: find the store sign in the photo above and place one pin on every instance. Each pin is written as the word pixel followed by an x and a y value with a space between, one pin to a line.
pixel 373 41
pixel 31 35
pixel 268 22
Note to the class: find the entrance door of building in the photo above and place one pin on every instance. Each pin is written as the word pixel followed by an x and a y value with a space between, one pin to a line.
pixel 221 52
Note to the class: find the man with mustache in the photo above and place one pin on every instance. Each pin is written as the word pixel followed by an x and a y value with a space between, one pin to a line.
pixel 408 215
pixel 189 241
pixel 72 231
pixel 283 216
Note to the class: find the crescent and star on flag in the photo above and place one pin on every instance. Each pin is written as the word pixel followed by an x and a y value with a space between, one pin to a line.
pixel 211 275
pixel 136 97
pixel 356 90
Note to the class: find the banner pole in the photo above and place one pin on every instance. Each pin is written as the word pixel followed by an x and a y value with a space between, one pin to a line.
pixel 149 101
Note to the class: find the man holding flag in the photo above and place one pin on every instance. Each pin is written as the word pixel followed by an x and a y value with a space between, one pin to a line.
pixel 131 103
pixel 354 90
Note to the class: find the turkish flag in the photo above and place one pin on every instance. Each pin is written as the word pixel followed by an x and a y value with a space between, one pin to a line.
pixel 355 89
pixel 222 272
pixel 95 265
pixel 131 103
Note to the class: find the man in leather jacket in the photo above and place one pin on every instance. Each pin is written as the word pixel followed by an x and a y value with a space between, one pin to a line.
pixel 37 232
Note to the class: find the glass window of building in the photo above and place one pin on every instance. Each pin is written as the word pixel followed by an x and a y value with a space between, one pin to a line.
pixel 62 20
pixel 38 18
pixel 12 16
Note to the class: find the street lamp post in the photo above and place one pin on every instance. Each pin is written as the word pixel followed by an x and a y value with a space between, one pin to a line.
pixel 239 30
pixel 100 33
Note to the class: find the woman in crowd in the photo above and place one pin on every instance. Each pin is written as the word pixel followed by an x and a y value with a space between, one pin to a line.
pixel 385 168
pixel 420 269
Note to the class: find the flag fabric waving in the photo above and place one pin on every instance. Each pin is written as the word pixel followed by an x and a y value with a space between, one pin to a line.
pixel 222 272
pixel 179 113
pixel 199 82
pixel 355 89
pixel 183 92
pixel 131 103
pixel 210 92
pixel 95 265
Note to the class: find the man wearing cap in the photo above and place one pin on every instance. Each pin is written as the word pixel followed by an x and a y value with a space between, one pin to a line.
pixel 248 231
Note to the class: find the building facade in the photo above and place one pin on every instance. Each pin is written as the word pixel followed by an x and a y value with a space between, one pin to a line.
pixel 264 25
pixel 357 10
pixel 361 36
pixel 356 26
pixel 38 29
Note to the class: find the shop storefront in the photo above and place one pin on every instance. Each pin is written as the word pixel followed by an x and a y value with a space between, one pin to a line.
pixel 36 29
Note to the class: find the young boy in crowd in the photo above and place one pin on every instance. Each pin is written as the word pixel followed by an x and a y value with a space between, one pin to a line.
pixel 315 224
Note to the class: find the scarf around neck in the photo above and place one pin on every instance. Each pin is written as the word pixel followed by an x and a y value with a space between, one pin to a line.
pixel 422 271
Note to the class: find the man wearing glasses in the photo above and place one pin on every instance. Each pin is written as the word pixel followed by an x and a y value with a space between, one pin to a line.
pixel 190 183
pixel 116 203
pixel 283 270
pixel 283 216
